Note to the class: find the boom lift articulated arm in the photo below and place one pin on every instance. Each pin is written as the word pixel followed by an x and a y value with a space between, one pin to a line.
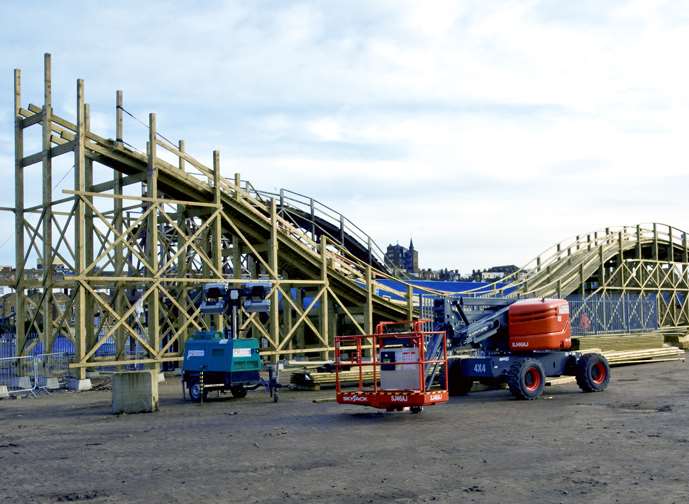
pixel 470 321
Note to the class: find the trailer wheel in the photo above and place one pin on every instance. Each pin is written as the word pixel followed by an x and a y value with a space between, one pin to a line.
pixel 459 384
pixel 593 373
pixel 195 391
pixel 238 391
pixel 415 410
pixel 526 379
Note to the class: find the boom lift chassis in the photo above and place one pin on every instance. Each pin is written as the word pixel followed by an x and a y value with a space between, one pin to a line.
pixel 520 343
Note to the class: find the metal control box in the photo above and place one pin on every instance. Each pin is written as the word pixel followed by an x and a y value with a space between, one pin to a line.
pixel 399 369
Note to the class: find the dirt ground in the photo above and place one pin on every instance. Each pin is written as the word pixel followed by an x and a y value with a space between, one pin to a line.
pixel 629 444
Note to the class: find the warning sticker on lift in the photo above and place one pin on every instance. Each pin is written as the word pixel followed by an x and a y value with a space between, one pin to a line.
pixel 241 352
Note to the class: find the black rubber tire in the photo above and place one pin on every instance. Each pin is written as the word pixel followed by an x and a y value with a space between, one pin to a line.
pixel 195 392
pixel 526 379
pixel 593 373
pixel 238 392
pixel 415 410
pixel 458 385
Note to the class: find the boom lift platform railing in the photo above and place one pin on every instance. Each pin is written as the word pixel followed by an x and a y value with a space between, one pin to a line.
pixel 409 368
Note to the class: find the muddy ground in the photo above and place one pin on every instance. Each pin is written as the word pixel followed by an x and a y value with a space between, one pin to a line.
pixel 628 444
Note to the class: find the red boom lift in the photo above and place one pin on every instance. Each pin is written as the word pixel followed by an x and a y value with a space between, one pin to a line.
pixel 518 342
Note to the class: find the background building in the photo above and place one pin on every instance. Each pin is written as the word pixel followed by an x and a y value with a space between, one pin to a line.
pixel 403 259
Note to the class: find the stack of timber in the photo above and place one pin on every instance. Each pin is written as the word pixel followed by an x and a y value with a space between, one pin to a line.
pixel 664 354
pixel 315 379
pixel 622 341
pixel 678 336
pixel 635 348
pixel 683 342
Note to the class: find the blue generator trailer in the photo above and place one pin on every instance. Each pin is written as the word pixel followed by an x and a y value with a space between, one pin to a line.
pixel 221 360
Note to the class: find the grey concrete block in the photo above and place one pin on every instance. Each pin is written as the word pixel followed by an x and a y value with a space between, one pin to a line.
pixel 79 385
pixel 22 383
pixel 52 384
pixel 4 393
pixel 135 392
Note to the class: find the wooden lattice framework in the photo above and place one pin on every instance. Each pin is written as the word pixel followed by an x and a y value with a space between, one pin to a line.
pixel 129 246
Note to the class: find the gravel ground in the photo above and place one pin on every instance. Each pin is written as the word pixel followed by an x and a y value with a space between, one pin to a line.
pixel 629 444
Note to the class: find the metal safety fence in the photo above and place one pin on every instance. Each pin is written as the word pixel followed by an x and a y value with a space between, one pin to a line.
pixel 594 314
pixel 613 312
pixel 33 374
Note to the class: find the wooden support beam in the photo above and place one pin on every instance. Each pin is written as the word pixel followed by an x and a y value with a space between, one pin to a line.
pixel 237 187
pixel 88 232
pixel 325 310
pixel 655 241
pixel 368 308
pixel 118 225
pixel 286 316
pixel 182 268
pixel 47 168
pixel 122 181
pixel 299 331
pixel 217 228
pixel 56 151
pixel 410 302
pixel 274 267
pixel 581 281
pixel 638 242
pixel 152 235
pixel 31 120
pixel 79 228
pixel 119 119
pixel 20 312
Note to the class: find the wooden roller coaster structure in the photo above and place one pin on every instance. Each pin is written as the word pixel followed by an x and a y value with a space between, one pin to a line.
pixel 121 255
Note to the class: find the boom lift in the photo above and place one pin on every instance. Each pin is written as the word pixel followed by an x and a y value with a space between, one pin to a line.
pixel 520 342
pixel 220 360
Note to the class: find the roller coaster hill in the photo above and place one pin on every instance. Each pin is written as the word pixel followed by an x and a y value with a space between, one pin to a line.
pixel 126 250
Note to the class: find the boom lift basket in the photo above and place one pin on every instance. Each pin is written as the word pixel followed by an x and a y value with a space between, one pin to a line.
pixel 404 370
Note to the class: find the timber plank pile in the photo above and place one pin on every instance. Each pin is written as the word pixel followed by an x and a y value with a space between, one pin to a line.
pixel 683 343
pixel 639 348
pixel 314 379
pixel 644 356
pixel 608 342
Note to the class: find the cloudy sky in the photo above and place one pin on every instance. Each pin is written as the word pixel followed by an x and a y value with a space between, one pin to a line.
pixel 488 131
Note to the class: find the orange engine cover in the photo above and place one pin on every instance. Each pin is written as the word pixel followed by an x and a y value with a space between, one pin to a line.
pixel 535 324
